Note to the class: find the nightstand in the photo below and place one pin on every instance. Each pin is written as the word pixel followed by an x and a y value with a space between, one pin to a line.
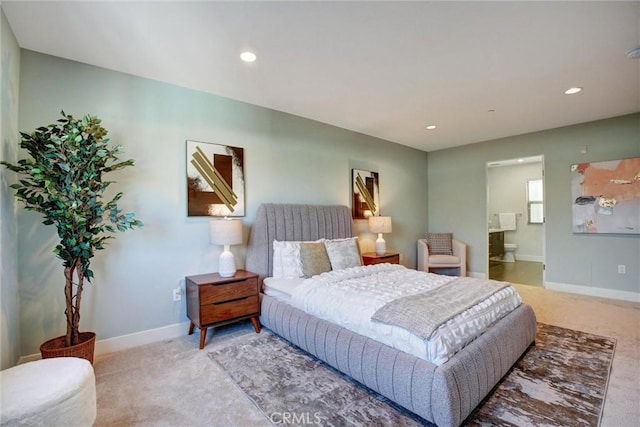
pixel 213 300
pixel 371 258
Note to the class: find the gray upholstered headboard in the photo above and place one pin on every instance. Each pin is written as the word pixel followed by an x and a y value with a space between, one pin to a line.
pixel 293 222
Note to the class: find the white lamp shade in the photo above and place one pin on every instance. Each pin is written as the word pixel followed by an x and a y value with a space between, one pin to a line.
pixel 225 232
pixel 380 224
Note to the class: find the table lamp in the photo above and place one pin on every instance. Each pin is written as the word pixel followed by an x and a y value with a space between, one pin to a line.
pixel 380 224
pixel 226 232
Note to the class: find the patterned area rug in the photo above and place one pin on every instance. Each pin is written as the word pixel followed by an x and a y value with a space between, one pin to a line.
pixel 561 381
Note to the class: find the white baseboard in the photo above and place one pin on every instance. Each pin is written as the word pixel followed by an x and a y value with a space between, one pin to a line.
pixel 593 291
pixel 124 342
pixel 581 290
pixel 477 275
pixel 525 257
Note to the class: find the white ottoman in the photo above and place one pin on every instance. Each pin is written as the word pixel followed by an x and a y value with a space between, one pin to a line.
pixel 60 391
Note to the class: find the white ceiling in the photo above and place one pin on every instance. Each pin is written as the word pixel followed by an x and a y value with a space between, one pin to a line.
pixel 385 69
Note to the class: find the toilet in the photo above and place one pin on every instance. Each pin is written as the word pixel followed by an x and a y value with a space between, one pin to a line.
pixel 509 252
pixel 508 223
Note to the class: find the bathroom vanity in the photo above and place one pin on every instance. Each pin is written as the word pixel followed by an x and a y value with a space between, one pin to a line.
pixel 496 243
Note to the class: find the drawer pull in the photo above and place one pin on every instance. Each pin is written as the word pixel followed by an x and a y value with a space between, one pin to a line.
pixel 231 300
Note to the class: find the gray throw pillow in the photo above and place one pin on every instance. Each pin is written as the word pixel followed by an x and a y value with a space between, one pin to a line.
pixel 440 243
pixel 343 253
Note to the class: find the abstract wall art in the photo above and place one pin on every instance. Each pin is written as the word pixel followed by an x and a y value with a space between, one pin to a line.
pixel 606 196
pixel 365 193
pixel 215 180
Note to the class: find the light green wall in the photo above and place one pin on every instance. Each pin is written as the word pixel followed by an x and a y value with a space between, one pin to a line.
pixel 287 159
pixel 9 76
pixel 457 198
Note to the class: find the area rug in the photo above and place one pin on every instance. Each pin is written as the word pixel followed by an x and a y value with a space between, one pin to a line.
pixel 560 381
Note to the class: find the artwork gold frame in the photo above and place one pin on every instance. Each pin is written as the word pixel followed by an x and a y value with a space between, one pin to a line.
pixel 365 194
pixel 215 180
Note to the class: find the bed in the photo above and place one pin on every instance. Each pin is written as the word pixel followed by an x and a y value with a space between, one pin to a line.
pixel 444 394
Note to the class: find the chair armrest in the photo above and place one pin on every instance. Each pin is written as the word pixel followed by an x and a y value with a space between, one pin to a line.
pixel 460 250
pixel 423 255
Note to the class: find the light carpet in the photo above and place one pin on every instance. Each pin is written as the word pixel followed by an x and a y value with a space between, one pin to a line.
pixel 560 381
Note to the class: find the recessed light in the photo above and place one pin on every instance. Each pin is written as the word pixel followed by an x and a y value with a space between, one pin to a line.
pixel 248 56
pixel 572 90
pixel 431 127
pixel 520 160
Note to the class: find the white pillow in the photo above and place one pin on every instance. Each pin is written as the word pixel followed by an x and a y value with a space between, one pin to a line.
pixel 286 259
pixel 343 253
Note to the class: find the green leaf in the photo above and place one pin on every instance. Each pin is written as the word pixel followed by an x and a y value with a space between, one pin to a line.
pixel 63 177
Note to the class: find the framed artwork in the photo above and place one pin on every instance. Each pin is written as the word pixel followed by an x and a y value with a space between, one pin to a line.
pixel 215 180
pixel 606 196
pixel 365 193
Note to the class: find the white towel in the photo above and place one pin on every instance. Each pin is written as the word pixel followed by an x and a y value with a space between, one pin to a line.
pixel 507 221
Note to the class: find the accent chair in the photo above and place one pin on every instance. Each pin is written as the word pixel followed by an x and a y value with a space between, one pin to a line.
pixel 439 262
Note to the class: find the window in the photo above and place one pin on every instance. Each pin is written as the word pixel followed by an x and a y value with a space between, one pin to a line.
pixel 535 201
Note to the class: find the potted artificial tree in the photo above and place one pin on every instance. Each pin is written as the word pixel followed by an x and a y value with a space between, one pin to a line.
pixel 63 180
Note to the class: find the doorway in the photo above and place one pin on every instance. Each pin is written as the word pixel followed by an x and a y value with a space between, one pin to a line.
pixel 515 220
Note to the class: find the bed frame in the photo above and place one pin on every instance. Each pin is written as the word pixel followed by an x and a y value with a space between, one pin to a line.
pixel 445 394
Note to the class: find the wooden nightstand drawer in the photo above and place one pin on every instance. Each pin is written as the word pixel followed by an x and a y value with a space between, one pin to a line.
pixel 371 258
pixel 223 311
pixel 219 293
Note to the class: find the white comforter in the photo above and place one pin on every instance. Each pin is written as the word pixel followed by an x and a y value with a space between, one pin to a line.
pixel 351 296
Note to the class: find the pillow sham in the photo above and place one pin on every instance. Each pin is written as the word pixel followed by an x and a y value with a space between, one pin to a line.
pixel 286 259
pixel 343 253
pixel 440 243
pixel 314 258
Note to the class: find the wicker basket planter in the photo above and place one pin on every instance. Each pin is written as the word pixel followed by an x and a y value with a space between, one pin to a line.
pixel 55 347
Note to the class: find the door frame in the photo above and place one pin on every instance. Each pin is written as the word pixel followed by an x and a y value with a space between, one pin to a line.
pixel 514 161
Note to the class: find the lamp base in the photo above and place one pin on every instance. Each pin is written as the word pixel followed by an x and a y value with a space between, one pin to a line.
pixel 227 264
pixel 381 245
